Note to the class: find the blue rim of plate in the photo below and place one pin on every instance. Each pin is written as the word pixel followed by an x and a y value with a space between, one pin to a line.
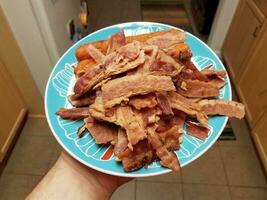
pixel 84 150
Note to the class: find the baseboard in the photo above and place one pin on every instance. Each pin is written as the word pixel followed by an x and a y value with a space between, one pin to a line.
pixel 37 116
pixel 11 141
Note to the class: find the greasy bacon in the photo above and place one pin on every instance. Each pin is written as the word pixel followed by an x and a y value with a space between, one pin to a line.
pixel 73 113
pixel 197 131
pixel 116 41
pixel 118 90
pixel 183 104
pixel 164 104
pixel 170 130
pixel 121 143
pixel 167 40
pixel 167 158
pixel 141 155
pixel 222 107
pixel 85 100
pixel 97 55
pixel 133 123
pixel 113 64
pixel 213 72
pixel 198 89
pixel 102 132
pixel 197 74
pixel 143 101
pixel 140 91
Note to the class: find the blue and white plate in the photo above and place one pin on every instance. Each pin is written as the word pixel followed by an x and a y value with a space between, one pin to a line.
pixel 99 157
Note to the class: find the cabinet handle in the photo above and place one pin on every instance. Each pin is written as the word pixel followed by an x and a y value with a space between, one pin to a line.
pixel 256 31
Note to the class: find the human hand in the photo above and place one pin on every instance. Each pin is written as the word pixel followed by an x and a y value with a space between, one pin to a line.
pixel 69 179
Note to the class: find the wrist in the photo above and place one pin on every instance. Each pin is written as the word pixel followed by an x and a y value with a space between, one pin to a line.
pixel 92 179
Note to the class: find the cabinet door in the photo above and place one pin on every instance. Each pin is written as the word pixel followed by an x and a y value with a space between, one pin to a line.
pixel 241 36
pixel 253 84
pixel 260 137
pixel 12 110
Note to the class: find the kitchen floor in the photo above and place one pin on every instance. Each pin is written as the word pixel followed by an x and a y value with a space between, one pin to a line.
pixel 229 170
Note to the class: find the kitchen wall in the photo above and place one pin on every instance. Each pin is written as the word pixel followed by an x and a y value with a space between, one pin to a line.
pixel 26 31
pixel 39 26
pixel 221 23
pixel 58 13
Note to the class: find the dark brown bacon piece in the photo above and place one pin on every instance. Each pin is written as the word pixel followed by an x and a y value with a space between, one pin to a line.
pixel 73 113
pixel 164 104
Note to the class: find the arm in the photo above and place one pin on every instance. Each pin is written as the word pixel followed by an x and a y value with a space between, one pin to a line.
pixel 68 179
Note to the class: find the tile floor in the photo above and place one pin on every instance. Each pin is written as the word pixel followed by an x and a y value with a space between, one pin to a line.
pixel 229 170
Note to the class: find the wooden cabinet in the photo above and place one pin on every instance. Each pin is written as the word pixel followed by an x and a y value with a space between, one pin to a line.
pixel 245 54
pixel 260 137
pixel 12 109
pixel 252 86
pixel 262 5
pixel 241 37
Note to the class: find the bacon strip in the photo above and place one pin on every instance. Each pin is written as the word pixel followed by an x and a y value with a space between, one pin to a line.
pixel 95 54
pixel 143 101
pixel 114 64
pixel 198 89
pixel 164 104
pixel 138 157
pixel 197 74
pixel 116 41
pixel 167 40
pixel 121 143
pixel 212 72
pixel 102 132
pixel 183 104
pixel 222 107
pixel 118 90
pixel 132 122
pixel 82 101
pixel 197 131
pixel 168 159
pixel 170 131
pixel 73 113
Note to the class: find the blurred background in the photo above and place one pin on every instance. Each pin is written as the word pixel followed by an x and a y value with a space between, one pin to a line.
pixel 35 33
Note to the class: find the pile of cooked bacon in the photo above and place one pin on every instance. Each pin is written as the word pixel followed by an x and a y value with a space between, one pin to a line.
pixel 137 92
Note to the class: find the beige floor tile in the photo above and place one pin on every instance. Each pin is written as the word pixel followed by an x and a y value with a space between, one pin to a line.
pixel 206 169
pixel 242 193
pixel 242 166
pixel 205 192
pixel 241 132
pixel 172 177
pixel 126 191
pixel 31 155
pixel 36 127
pixel 17 187
pixel 155 191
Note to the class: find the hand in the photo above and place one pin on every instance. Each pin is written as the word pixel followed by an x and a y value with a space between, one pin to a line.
pixel 111 183
pixel 68 179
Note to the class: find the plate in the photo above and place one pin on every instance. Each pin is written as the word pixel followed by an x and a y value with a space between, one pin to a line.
pixel 99 157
